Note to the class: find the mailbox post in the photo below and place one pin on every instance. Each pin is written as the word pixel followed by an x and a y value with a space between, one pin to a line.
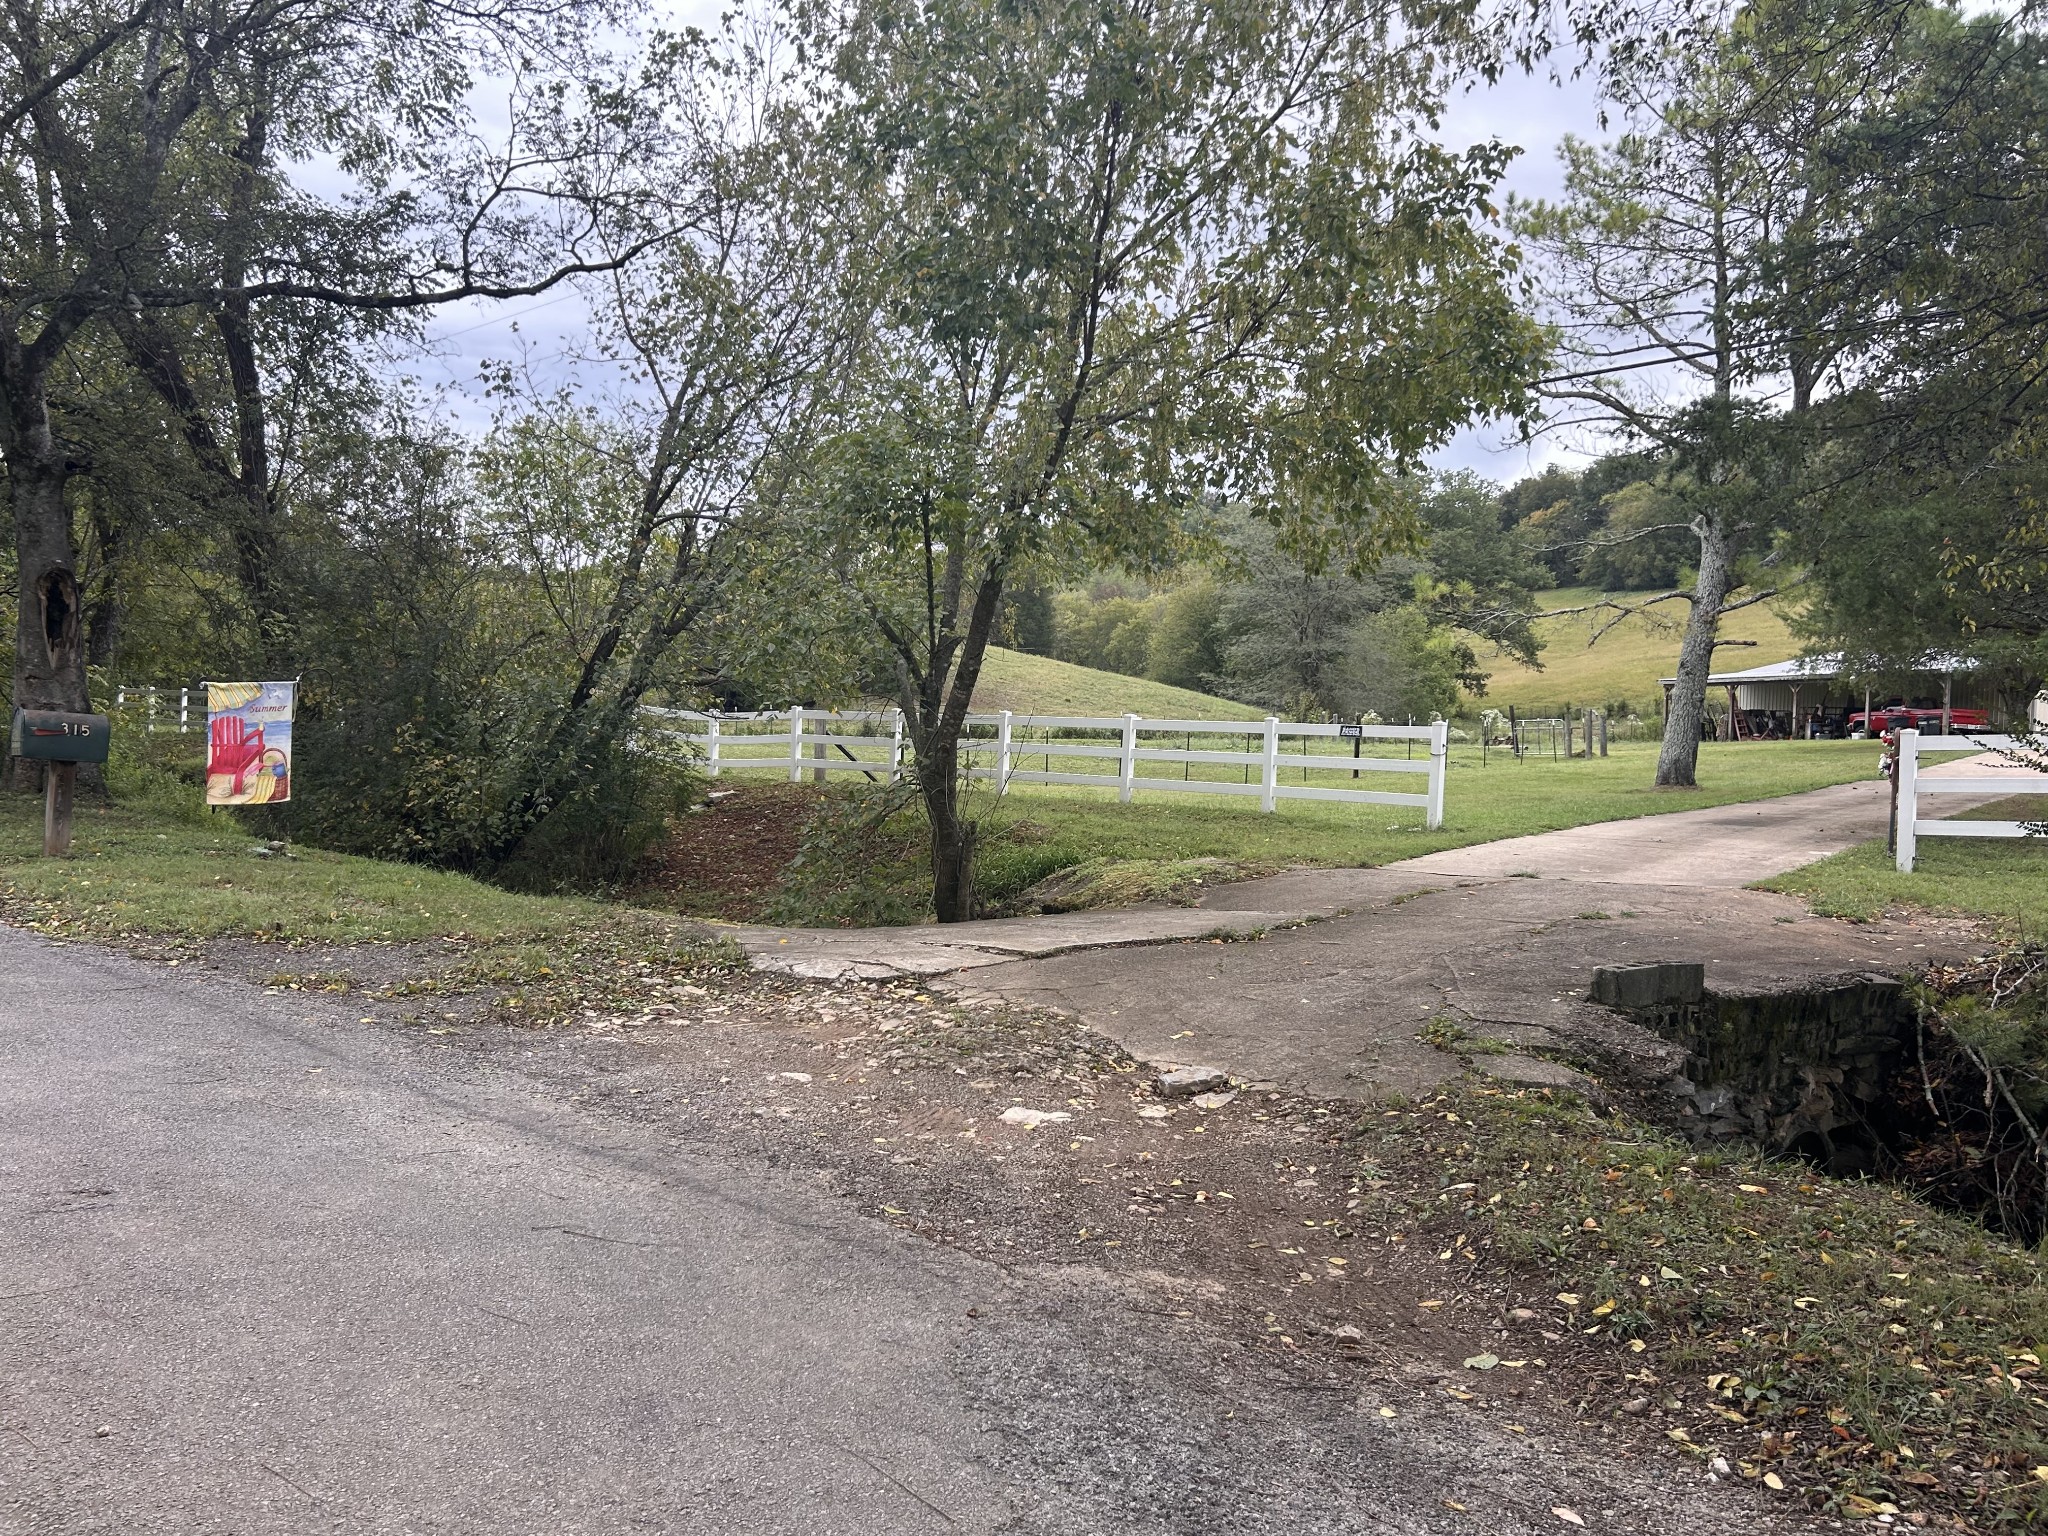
pixel 63 741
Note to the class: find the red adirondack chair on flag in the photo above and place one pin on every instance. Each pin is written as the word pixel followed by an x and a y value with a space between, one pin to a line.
pixel 234 749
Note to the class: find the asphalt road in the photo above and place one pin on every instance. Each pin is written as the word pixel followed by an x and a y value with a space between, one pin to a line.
pixel 265 1269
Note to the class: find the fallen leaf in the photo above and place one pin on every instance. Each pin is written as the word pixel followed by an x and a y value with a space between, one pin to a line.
pixel 1569 1298
pixel 1568 1516
pixel 1603 1309
pixel 1772 1480
pixel 1482 1362
pixel 1753 1189
pixel 1386 1413
pixel 1668 1273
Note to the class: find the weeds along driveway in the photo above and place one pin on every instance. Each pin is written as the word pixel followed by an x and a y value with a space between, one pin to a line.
pixel 268 1266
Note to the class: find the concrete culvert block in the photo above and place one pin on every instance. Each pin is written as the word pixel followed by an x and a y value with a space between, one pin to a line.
pixel 1630 987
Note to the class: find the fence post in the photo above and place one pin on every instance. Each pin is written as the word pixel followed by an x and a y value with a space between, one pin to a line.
pixel 896 749
pixel 1270 784
pixel 1002 752
pixel 1439 759
pixel 796 745
pixel 1906 775
pixel 1127 760
pixel 820 752
pixel 150 694
pixel 184 709
pixel 1603 733
pixel 711 744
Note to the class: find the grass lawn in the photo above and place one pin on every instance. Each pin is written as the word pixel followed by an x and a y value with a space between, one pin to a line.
pixel 1836 1340
pixel 2007 881
pixel 1503 798
pixel 133 872
pixel 1039 685
pixel 1629 660
pixel 1149 849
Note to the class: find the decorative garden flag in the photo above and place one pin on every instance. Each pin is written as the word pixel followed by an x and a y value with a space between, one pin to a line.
pixel 249 743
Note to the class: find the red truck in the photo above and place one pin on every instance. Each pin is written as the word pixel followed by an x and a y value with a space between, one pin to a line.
pixel 1880 722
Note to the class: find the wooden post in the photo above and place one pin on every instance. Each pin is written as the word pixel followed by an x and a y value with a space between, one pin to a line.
pixel 711 744
pixel 1948 698
pixel 1003 752
pixel 1127 760
pixel 896 748
pixel 796 745
pixel 59 779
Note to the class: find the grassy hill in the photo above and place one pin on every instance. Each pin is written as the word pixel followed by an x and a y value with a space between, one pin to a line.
pixel 1038 685
pixel 1629 659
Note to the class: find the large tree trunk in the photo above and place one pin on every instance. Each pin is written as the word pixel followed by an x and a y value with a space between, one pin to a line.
pixel 1678 762
pixel 952 838
pixel 936 713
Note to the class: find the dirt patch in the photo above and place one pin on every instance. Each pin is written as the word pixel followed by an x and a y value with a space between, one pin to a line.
pixel 728 858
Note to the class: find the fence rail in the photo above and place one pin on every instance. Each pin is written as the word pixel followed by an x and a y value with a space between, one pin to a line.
pixel 997 748
pixel 1912 784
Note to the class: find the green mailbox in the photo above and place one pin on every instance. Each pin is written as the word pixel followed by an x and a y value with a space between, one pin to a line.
pixel 52 736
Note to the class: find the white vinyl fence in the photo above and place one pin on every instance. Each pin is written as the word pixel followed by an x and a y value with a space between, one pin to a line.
pixel 1271 759
pixel 1912 784
pixel 163 708
pixel 791 740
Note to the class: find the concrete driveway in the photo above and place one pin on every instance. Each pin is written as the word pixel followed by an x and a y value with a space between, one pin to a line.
pixel 1500 938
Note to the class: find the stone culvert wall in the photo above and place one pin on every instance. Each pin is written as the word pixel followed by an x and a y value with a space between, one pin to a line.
pixel 1798 1071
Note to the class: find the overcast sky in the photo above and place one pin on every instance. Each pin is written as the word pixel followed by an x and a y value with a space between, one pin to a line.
pixel 1534 113
pixel 1531 112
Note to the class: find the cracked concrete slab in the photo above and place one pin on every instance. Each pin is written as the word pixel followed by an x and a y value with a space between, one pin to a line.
pixel 1498 940
pixel 1340 1008
pixel 836 954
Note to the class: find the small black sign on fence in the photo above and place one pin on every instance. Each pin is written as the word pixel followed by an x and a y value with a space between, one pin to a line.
pixel 1354 732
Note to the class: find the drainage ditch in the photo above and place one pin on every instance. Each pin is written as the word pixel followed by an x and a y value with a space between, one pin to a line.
pixel 1858 1075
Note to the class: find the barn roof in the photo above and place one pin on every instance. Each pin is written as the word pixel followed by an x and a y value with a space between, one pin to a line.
pixel 1807 669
